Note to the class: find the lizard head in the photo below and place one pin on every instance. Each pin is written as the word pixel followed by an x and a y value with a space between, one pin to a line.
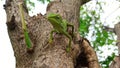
pixel 54 18
pixel 53 15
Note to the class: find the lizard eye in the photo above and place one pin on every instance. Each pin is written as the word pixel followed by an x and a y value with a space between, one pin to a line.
pixel 57 17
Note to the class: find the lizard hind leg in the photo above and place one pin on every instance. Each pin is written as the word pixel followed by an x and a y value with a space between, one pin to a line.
pixel 70 25
pixel 68 48
pixel 51 36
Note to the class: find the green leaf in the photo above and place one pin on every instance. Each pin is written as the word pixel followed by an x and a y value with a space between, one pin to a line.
pixel 43 1
pixel 102 42
pixel 98 34
pixel 93 12
pixel 32 4
pixel 110 41
pixel 105 34
pixel 107 61
pixel 81 8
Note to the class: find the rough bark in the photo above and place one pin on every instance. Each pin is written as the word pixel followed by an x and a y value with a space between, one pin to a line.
pixel 45 55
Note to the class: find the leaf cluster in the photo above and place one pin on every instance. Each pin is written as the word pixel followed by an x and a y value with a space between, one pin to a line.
pixel 92 27
pixel 30 4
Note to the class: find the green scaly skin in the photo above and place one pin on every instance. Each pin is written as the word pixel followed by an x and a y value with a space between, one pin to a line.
pixel 60 26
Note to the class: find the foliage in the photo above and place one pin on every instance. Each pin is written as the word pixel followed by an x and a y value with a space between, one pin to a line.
pixel 92 26
pixel 30 4
pixel 107 61
pixel 43 1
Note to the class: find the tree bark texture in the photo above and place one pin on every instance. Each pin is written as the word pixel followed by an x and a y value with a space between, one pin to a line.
pixel 43 54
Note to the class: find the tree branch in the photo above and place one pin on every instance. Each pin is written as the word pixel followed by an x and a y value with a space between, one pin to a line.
pixel 109 29
pixel 85 1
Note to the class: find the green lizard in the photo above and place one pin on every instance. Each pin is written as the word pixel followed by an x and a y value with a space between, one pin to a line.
pixel 27 38
pixel 60 26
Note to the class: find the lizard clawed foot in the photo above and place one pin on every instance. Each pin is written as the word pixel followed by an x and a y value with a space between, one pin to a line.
pixel 68 48
pixel 50 41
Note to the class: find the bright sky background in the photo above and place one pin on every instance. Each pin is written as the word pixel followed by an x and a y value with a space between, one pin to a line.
pixel 7 59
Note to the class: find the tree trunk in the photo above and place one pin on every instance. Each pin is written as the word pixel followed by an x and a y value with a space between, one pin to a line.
pixel 43 54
